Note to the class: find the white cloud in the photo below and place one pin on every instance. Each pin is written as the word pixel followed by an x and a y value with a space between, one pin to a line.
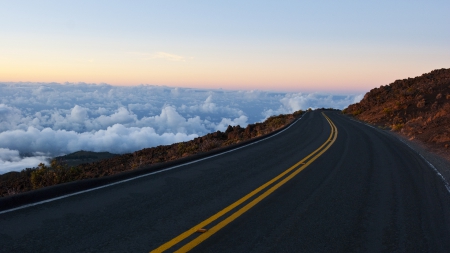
pixel 78 114
pixel 208 106
pixel 115 139
pixel 298 101
pixel 222 126
pixel 169 57
pixel 10 117
pixel 10 160
pixel 57 119
pixel 171 121
pixel 357 99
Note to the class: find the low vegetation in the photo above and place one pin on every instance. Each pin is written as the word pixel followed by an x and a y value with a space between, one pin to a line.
pixel 416 107
pixel 59 171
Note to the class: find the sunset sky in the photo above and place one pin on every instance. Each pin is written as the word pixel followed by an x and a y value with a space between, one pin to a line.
pixel 336 46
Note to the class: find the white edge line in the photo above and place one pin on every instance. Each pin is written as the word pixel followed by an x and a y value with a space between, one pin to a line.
pixel 145 175
pixel 446 184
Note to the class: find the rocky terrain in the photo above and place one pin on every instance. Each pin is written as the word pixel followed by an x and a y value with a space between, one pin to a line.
pixel 59 171
pixel 418 108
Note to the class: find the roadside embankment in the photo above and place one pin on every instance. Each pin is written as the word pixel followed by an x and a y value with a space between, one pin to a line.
pixel 44 182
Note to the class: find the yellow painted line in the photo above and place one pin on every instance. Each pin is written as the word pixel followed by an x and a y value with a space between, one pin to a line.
pixel 232 217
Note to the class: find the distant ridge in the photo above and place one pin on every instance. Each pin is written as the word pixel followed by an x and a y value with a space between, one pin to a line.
pixel 416 107
pixel 80 157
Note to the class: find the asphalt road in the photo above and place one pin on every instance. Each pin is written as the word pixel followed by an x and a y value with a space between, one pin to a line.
pixel 367 192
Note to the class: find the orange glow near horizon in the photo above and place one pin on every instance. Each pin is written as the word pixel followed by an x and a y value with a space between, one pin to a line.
pixel 230 79
pixel 302 73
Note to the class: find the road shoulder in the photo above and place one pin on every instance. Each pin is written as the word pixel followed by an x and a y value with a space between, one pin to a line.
pixel 438 159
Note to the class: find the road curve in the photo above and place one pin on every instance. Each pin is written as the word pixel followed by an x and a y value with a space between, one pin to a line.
pixel 366 192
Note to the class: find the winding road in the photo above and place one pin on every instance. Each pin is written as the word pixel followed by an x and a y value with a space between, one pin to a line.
pixel 325 184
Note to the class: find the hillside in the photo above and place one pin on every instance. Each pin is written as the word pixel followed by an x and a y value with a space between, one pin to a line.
pixel 61 172
pixel 418 108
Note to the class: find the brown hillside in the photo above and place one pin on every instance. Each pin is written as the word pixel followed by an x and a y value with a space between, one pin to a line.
pixel 416 107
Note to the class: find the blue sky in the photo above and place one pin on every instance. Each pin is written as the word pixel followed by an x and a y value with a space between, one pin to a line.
pixel 346 46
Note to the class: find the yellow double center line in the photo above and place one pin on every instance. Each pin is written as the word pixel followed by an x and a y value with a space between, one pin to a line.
pixel 295 169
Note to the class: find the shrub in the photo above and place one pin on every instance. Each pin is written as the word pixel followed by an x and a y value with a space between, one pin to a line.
pixel 209 144
pixel 42 177
pixel 56 173
pixel 397 127
pixel 297 113
pixel 421 103
pixel 357 112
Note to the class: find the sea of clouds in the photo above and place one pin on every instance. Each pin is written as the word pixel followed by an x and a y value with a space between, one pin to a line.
pixel 43 120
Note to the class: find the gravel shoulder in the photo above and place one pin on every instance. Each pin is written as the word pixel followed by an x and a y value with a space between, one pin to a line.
pixel 440 159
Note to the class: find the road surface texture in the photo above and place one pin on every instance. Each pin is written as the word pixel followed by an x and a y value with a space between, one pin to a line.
pixel 356 189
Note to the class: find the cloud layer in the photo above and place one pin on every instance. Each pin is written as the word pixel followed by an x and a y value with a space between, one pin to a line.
pixel 42 120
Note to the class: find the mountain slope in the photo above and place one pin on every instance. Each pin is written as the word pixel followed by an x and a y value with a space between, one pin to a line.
pixel 416 107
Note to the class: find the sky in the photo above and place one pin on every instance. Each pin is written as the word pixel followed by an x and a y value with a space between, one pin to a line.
pixel 290 46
